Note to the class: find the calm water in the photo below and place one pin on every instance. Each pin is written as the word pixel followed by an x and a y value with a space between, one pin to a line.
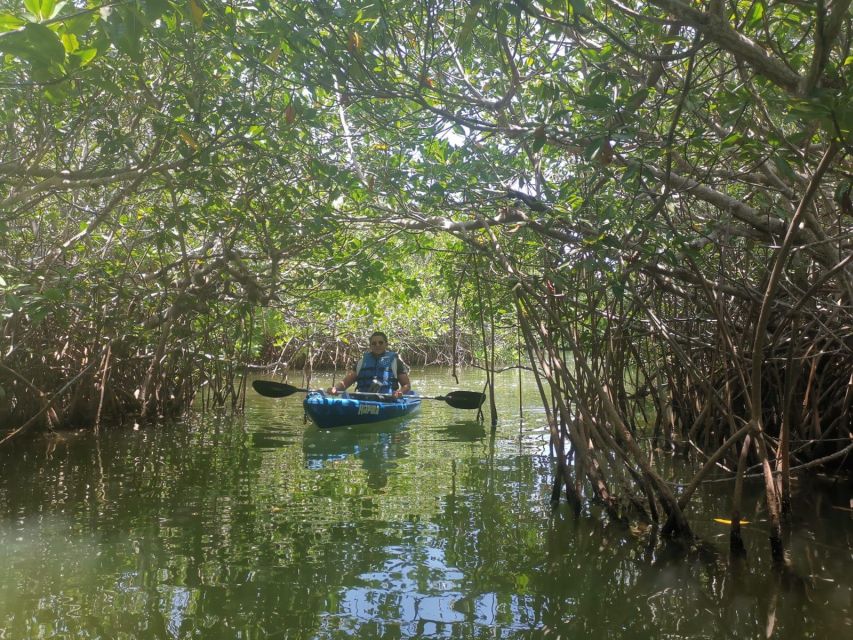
pixel 265 527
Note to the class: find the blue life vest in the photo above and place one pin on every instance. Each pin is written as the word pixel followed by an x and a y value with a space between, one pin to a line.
pixel 378 375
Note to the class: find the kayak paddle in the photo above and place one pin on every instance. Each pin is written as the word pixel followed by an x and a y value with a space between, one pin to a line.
pixel 272 389
pixel 456 399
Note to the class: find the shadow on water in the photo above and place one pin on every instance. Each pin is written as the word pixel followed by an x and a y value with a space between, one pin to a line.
pixel 461 431
pixel 272 439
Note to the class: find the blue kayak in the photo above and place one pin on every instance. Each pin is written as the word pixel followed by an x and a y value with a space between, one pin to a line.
pixel 356 408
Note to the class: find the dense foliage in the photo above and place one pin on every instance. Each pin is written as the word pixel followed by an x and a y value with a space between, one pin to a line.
pixel 658 195
pixel 162 182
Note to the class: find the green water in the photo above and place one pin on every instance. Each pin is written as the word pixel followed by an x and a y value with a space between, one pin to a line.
pixel 265 527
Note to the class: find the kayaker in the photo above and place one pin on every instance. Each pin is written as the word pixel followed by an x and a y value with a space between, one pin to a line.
pixel 378 371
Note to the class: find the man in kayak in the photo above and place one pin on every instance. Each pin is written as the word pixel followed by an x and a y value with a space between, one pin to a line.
pixel 378 371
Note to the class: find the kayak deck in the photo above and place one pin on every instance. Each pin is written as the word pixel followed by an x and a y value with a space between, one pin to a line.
pixel 327 411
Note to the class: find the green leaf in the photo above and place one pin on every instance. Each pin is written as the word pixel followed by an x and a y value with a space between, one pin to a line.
pixel 57 92
pixel 78 25
pixel 784 168
pixel 37 315
pixel 598 102
pixel 55 294
pixel 125 28
pixel 756 14
pixel 44 8
pixel 47 8
pixel 731 139
pixel 464 39
pixel 594 148
pixel 56 9
pixel 85 55
pixel 34 7
pixel 8 22
pixel 154 9
pixel 513 9
pixel 34 43
pixel 578 7
pixel 69 41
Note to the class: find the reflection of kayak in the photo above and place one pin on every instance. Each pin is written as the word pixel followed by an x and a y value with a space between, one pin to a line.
pixel 356 408
pixel 376 447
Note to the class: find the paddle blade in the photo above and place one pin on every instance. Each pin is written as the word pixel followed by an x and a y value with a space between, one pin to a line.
pixel 272 389
pixel 464 399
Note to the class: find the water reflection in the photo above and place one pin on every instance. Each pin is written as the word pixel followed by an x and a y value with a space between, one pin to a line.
pixel 377 447
pixel 267 527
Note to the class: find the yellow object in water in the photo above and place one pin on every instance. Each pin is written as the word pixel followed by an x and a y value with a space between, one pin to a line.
pixel 727 521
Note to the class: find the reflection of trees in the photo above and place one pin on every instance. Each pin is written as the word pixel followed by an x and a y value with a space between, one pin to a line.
pixel 219 530
pixel 200 532
pixel 581 576
pixel 183 518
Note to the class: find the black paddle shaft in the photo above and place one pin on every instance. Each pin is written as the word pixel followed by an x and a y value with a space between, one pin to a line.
pixel 456 399
pixel 272 389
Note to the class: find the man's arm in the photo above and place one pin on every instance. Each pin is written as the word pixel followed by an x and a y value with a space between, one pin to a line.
pixel 405 384
pixel 347 380
pixel 403 378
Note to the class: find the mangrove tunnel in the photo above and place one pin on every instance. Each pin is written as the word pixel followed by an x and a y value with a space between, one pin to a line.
pixel 646 206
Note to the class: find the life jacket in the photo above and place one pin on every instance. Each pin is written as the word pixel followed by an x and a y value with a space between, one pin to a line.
pixel 377 375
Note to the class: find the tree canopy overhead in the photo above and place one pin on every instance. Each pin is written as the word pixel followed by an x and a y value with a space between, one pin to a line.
pixel 658 193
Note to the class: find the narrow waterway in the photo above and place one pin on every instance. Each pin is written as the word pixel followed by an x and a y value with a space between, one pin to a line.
pixel 263 526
